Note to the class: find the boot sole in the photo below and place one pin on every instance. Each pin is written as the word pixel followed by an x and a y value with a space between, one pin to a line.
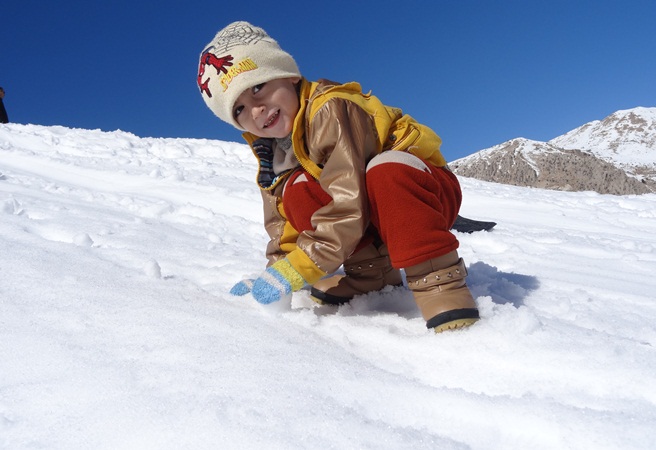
pixel 324 303
pixel 454 325
pixel 454 319
pixel 323 298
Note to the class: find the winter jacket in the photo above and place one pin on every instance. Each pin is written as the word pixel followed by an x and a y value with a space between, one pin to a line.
pixel 337 131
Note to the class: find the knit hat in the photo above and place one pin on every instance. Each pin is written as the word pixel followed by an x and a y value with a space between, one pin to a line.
pixel 239 57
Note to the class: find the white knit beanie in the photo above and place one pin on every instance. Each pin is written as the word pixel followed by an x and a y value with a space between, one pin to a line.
pixel 239 57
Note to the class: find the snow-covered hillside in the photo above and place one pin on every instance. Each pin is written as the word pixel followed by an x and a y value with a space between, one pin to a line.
pixel 117 329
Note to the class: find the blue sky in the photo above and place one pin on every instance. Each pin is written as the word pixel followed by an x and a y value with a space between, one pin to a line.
pixel 478 72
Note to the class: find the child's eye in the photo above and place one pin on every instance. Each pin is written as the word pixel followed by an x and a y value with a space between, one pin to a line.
pixel 237 111
pixel 257 88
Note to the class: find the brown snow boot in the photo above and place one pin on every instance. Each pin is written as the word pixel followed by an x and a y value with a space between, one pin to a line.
pixel 441 293
pixel 367 270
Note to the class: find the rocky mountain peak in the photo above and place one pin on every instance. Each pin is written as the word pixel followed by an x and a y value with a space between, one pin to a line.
pixel 626 137
pixel 616 155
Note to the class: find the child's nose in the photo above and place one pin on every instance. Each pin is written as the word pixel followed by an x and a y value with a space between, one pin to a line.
pixel 257 111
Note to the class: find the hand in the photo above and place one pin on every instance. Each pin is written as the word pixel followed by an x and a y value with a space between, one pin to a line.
pixel 277 281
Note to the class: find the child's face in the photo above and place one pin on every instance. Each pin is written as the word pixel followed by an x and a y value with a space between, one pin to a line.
pixel 268 109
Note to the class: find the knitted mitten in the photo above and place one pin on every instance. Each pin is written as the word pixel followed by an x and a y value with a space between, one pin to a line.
pixel 242 288
pixel 278 280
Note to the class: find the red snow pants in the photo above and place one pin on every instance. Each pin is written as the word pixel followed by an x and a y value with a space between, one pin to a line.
pixel 412 206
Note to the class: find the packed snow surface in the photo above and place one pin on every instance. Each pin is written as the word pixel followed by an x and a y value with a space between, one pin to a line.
pixel 117 330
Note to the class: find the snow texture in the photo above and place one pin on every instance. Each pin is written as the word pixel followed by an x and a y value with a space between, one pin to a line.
pixel 117 329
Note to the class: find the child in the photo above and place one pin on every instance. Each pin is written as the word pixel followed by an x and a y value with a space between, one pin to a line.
pixel 345 181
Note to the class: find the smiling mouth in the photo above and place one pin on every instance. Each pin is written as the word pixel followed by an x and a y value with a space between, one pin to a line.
pixel 271 119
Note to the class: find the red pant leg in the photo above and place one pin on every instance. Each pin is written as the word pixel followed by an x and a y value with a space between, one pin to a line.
pixel 413 206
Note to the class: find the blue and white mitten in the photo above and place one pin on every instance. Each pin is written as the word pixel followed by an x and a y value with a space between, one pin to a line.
pixel 242 288
pixel 279 280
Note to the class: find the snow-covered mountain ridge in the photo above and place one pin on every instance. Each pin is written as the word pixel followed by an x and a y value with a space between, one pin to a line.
pixel 616 155
pixel 626 138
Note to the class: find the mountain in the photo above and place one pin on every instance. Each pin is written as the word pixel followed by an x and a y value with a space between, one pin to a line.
pixel 616 155
pixel 626 139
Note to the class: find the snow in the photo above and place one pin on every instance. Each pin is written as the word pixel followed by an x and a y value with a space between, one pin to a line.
pixel 117 329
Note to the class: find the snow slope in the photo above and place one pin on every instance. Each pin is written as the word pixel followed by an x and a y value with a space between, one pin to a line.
pixel 117 331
